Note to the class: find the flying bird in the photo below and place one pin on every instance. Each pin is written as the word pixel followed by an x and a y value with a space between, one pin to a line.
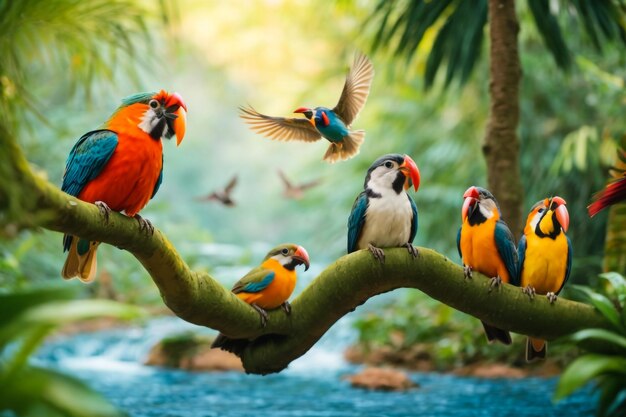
pixel 486 245
pixel 267 287
pixel 383 214
pixel 331 124
pixel 545 258
pixel 223 195
pixel 295 191
pixel 119 167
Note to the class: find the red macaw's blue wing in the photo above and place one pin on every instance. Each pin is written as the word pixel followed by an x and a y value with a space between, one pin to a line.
pixel 413 220
pixel 356 220
pixel 521 256
pixel 506 249
pixel 87 159
pixel 254 281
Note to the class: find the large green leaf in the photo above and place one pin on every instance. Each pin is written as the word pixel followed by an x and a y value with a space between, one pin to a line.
pixel 603 335
pixel 604 306
pixel 53 314
pixel 14 304
pixel 585 369
pixel 35 392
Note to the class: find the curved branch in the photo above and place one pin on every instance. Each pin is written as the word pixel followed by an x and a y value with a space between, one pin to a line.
pixel 343 286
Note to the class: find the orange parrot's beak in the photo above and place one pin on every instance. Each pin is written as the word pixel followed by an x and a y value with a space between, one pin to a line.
pixel 302 256
pixel 180 122
pixel 562 215
pixel 411 172
pixel 471 196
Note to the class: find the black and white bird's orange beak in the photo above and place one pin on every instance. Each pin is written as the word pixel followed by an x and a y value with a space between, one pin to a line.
pixel 176 109
pixel 471 197
pixel 302 257
pixel 411 172
pixel 557 204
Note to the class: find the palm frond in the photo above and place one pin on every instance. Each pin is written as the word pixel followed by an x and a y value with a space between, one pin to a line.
pixel 77 40
pixel 403 26
pixel 550 31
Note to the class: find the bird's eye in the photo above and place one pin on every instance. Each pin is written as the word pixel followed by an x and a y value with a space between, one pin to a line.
pixel 153 104
pixel 389 164
pixel 285 251
pixel 541 210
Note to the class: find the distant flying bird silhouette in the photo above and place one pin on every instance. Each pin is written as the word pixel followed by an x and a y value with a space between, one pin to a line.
pixel 295 192
pixel 223 195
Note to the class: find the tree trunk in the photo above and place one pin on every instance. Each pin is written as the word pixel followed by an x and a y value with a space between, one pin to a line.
pixel 501 145
pixel 343 286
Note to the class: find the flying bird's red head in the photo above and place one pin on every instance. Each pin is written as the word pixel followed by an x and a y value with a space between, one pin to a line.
pixel 307 112
pixel 411 172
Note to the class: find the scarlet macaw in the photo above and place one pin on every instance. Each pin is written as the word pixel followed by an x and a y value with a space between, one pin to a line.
pixel 120 166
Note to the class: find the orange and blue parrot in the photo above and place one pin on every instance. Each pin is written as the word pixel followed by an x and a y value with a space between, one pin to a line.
pixel 267 287
pixel 486 245
pixel 331 124
pixel 383 214
pixel 545 258
pixel 120 167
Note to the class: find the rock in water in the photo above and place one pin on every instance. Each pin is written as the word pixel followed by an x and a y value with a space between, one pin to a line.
pixel 383 379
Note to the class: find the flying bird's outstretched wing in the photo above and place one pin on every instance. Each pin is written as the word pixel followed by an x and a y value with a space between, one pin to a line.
pixel 279 128
pixel 356 89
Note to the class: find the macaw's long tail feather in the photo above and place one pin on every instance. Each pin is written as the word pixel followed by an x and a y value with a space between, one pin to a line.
pixel 81 260
pixel 612 194
pixel 235 346
pixel 494 334
pixel 345 149
pixel 535 349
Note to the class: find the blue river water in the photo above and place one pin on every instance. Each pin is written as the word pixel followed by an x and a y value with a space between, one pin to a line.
pixel 111 362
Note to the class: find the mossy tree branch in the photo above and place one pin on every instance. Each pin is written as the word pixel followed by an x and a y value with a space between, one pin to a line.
pixel 29 201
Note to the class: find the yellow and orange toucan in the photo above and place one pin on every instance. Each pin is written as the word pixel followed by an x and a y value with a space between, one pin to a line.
pixel 267 287
pixel 545 258
pixel 486 245
pixel 120 166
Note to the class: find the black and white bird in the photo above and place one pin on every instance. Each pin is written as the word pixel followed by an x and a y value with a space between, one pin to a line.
pixel 384 215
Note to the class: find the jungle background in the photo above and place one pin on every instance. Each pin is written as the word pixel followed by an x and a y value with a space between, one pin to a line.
pixel 66 65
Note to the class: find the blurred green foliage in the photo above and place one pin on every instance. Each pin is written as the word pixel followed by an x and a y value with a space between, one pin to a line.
pixel 604 361
pixel 26 318
pixel 418 327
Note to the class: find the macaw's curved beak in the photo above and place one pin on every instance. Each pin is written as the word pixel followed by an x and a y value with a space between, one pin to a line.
pixel 180 124
pixel 562 215
pixel 301 256
pixel 176 108
pixel 471 197
pixel 411 172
